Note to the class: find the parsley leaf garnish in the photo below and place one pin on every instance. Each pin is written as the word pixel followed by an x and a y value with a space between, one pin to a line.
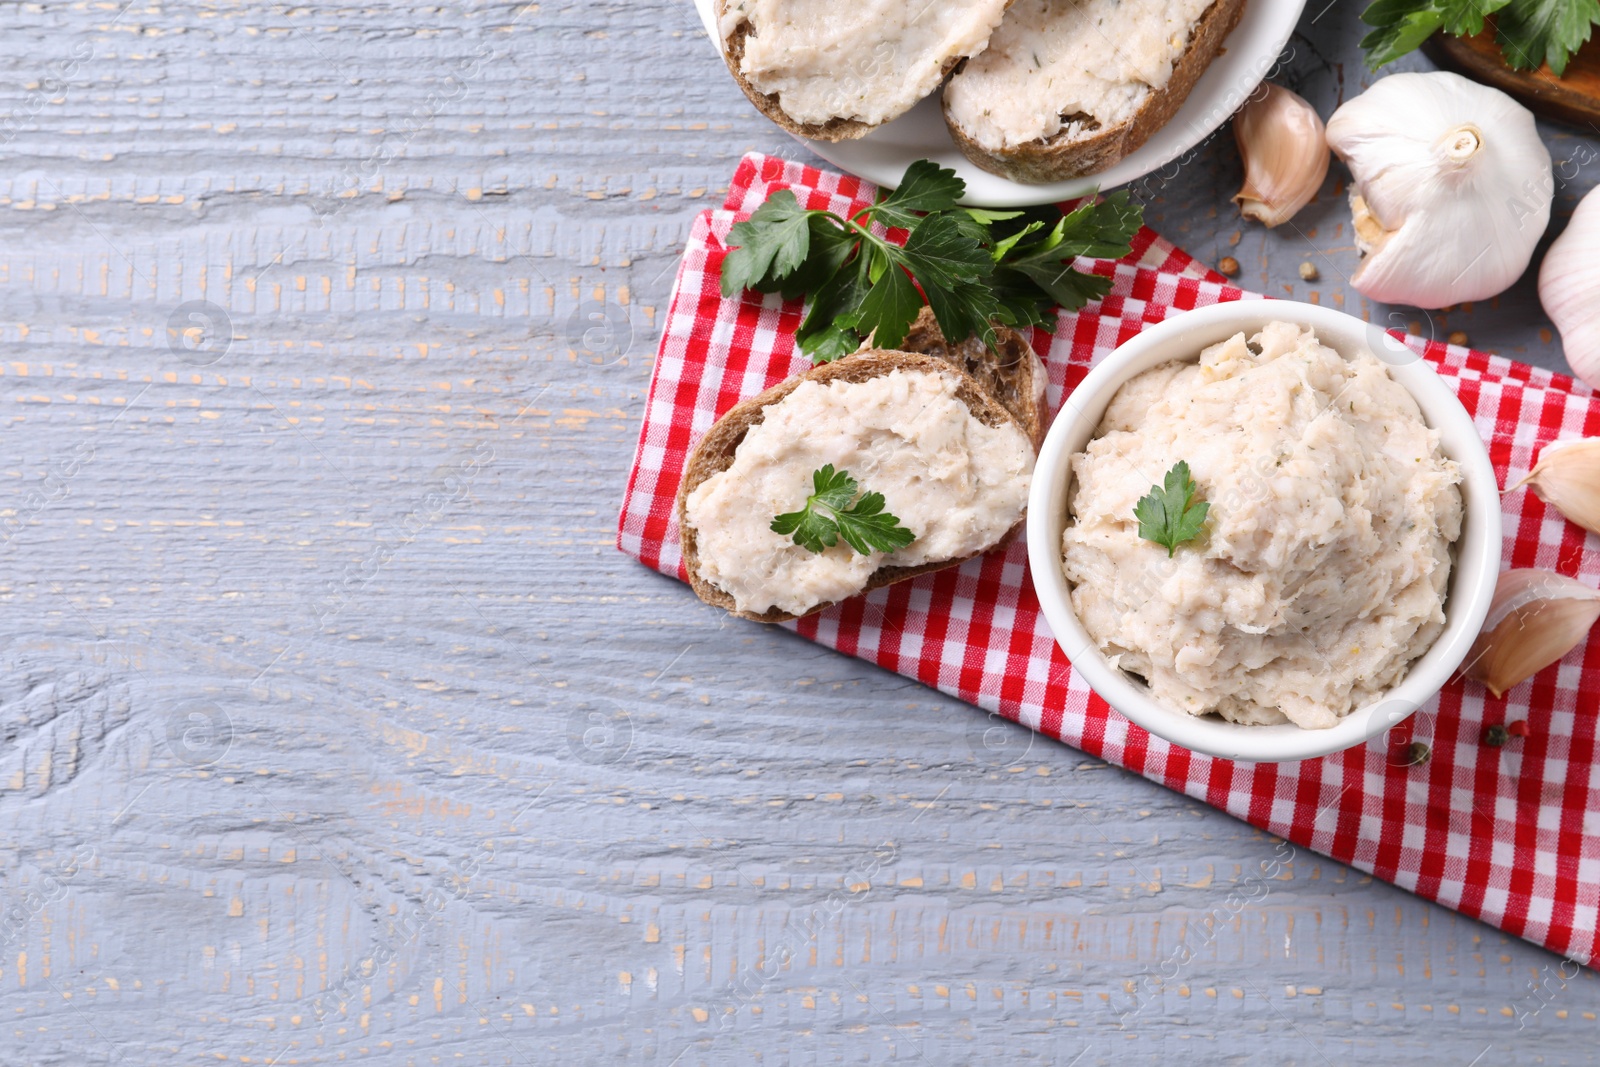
pixel 1546 31
pixel 776 241
pixel 974 268
pixel 863 525
pixel 1168 516
pixel 1099 231
pixel 1530 32
pixel 925 189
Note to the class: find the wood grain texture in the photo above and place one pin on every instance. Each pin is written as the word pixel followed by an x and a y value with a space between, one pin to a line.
pixel 334 728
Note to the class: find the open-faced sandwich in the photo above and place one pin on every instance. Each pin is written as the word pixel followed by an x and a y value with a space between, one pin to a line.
pixel 863 472
pixel 832 70
pixel 1071 87
pixel 1034 90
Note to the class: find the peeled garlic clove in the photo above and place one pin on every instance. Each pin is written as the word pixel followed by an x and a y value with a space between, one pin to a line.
pixel 1452 189
pixel 1569 288
pixel 1285 151
pixel 1567 477
pixel 1536 618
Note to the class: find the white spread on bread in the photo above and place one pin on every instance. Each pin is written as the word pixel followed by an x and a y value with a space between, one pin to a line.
pixel 1324 565
pixel 955 482
pixel 868 60
pixel 1071 67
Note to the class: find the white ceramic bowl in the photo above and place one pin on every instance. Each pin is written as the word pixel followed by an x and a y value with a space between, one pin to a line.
pixel 1472 579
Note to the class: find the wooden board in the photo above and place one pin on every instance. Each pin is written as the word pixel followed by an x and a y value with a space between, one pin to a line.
pixel 1574 97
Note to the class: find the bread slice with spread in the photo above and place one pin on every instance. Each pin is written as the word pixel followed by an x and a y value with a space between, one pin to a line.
pixel 951 452
pixel 1068 88
pixel 832 70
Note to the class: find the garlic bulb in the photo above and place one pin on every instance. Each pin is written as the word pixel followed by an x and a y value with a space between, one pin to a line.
pixel 1285 151
pixel 1452 190
pixel 1536 618
pixel 1567 477
pixel 1569 288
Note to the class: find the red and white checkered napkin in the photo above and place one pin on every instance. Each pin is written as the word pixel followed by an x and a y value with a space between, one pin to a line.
pixel 1510 836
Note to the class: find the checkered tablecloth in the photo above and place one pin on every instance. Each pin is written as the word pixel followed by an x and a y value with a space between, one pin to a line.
pixel 1510 836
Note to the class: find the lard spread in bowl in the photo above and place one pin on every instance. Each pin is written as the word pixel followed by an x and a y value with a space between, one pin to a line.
pixel 1324 599
pixel 1323 566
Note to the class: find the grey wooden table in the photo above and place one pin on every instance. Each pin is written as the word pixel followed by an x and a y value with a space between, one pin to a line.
pixel 336 730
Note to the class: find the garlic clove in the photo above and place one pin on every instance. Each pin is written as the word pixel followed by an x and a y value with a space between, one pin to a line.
pixel 1536 618
pixel 1567 477
pixel 1285 149
pixel 1452 188
pixel 1569 288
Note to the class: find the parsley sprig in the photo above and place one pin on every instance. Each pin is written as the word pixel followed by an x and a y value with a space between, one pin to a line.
pixel 1168 515
pixel 974 268
pixel 833 512
pixel 1530 32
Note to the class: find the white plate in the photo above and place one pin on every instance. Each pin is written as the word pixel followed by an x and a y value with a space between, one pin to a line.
pixel 884 154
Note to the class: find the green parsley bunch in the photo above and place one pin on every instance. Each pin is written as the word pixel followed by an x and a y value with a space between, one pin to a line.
pixel 974 268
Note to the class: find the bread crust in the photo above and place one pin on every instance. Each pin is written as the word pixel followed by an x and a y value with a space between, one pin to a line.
pixel 1011 372
pixel 835 129
pixel 715 452
pixel 1053 159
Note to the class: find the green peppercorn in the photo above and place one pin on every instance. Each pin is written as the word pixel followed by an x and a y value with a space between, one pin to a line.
pixel 1418 754
pixel 1496 735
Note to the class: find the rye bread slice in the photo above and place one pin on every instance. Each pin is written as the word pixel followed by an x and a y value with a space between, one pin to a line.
pixel 1058 159
pixel 835 129
pixel 715 452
